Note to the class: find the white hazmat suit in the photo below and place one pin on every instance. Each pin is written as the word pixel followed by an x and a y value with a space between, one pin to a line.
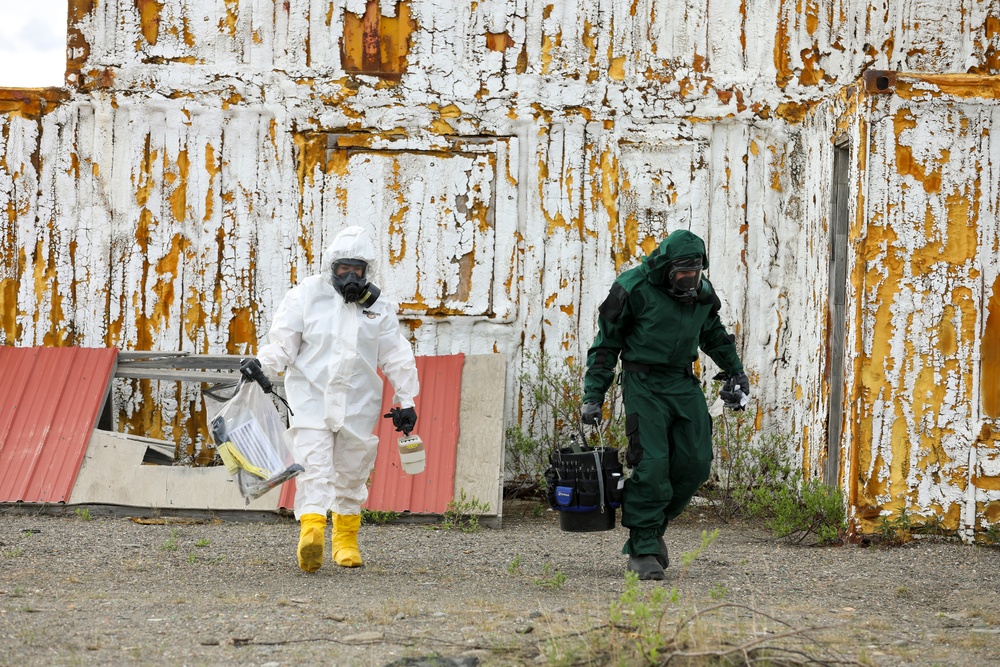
pixel 330 351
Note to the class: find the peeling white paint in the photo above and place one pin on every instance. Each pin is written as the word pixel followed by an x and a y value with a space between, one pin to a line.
pixel 511 185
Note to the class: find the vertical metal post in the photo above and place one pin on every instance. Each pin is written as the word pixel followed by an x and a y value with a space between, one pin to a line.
pixel 836 330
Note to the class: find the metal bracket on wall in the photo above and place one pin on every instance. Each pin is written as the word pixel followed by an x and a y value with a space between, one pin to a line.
pixel 880 81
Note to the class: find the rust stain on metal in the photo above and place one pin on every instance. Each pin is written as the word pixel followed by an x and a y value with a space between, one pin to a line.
pixel 499 41
pixel 212 170
pixel 178 198
pixel 242 330
pixel 879 82
pixel 370 38
pixel 616 70
pixel 589 40
pixel 227 22
pixel 149 18
pixel 990 352
pixel 376 44
pixel 463 287
pixel 782 45
pixel 953 85
pixel 31 104
pixel 905 164
pixel 991 54
pixel 395 227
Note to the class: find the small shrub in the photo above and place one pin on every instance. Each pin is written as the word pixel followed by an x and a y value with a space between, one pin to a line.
pixel 754 478
pixel 797 510
pixel 463 513
pixel 743 461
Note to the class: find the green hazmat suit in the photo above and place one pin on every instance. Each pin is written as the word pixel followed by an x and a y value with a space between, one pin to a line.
pixel 667 424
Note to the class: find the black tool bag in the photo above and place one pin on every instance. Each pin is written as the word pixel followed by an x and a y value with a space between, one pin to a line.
pixel 589 480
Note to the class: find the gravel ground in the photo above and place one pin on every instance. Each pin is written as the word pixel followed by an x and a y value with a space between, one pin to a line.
pixel 109 590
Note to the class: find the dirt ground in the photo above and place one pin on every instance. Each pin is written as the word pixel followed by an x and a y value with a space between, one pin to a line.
pixel 94 588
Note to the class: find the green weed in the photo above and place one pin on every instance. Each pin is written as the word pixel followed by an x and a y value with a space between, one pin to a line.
pixel 378 517
pixel 894 529
pixel 551 578
pixel 83 513
pixel 463 513
pixel 991 535
pixel 930 526
pixel 171 543
pixel 642 612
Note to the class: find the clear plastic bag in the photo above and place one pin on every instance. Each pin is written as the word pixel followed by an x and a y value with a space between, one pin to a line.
pixel 250 438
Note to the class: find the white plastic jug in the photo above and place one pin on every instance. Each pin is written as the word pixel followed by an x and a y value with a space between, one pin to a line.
pixel 411 454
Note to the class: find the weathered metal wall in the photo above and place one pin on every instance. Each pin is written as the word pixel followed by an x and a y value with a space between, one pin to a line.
pixel 924 388
pixel 512 156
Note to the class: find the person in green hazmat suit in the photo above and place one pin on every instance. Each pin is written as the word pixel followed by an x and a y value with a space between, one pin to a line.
pixel 655 318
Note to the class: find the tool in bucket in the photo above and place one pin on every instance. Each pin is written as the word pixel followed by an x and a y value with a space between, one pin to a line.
pixel 584 484
pixel 250 439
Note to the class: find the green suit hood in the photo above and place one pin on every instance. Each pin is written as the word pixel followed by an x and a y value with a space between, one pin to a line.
pixel 679 243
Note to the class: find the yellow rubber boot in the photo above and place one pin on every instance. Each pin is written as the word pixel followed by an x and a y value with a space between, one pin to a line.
pixel 344 544
pixel 311 541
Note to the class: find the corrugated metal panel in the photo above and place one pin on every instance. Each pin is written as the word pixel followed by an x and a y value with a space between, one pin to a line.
pixel 392 490
pixel 50 401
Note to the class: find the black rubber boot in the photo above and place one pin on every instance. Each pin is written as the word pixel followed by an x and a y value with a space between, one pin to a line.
pixel 647 567
pixel 663 558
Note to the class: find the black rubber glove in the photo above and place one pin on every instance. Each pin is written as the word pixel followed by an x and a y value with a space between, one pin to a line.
pixel 735 390
pixel 591 414
pixel 404 419
pixel 251 370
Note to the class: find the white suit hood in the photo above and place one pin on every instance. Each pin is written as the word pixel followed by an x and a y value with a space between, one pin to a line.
pixel 351 243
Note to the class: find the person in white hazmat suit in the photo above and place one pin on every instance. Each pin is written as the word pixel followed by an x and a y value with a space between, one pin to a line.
pixel 330 334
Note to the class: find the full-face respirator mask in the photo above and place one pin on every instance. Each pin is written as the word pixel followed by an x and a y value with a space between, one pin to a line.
pixel 349 279
pixel 684 278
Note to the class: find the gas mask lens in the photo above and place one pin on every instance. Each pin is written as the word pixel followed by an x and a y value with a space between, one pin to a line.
pixel 349 280
pixel 685 277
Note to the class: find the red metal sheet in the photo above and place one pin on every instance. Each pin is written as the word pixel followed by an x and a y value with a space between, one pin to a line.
pixel 437 405
pixel 50 400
